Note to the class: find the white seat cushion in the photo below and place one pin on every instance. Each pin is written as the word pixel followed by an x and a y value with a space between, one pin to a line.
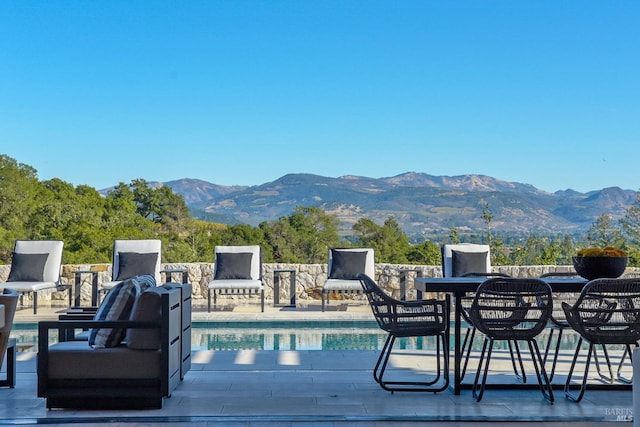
pixel 342 285
pixel 29 286
pixel 236 284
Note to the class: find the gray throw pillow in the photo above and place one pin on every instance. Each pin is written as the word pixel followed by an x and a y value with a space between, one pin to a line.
pixel 117 305
pixel 27 267
pixel 147 308
pixel 468 262
pixel 131 264
pixel 233 265
pixel 347 265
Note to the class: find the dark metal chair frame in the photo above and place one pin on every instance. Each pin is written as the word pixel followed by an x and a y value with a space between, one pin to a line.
pixel 469 336
pixel 557 322
pixel 512 310
pixel 400 319
pixel 606 312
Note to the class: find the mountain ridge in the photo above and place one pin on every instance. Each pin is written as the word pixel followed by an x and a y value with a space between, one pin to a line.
pixel 422 204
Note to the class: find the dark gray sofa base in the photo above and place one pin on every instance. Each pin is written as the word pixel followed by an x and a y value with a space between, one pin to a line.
pixel 133 394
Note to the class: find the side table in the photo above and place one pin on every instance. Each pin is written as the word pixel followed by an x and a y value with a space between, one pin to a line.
pixel 292 287
pixel 169 274
pixel 94 287
pixel 404 273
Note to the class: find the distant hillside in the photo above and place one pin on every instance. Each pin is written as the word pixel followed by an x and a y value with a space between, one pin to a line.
pixel 421 203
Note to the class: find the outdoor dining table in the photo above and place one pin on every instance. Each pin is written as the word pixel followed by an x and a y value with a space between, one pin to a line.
pixel 461 286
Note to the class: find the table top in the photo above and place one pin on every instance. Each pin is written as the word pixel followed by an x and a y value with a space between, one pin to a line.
pixel 462 285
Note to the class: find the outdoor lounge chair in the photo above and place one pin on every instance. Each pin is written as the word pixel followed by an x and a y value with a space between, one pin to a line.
pixel 237 270
pixel 402 319
pixel 35 267
pixel 511 309
pixel 134 258
pixel 606 312
pixel 344 266
pixel 467 259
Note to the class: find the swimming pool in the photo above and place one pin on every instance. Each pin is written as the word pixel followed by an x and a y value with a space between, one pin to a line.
pixel 283 335
pixel 295 336
pixel 288 335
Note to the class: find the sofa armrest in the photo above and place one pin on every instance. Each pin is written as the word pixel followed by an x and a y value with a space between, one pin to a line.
pixel 78 313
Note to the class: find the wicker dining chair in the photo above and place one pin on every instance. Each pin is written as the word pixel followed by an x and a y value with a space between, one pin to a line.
pixel 470 333
pixel 557 322
pixel 607 312
pixel 512 310
pixel 401 319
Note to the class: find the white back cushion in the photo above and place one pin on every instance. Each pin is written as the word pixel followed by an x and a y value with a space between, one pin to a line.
pixel 145 246
pixel 447 254
pixel 369 267
pixel 54 260
pixel 256 263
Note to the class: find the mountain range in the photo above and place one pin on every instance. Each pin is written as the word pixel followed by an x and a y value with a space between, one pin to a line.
pixel 422 204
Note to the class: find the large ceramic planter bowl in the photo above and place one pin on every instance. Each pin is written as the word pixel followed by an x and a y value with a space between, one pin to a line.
pixel 598 267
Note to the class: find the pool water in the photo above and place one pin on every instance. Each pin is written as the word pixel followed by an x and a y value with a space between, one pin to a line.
pixel 292 335
pixel 343 335
pixel 296 336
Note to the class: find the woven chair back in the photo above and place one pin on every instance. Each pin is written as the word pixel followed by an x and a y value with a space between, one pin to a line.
pixel 607 311
pixel 405 318
pixel 511 308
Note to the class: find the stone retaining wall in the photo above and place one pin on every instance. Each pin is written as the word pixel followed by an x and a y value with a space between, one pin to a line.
pixel 309 277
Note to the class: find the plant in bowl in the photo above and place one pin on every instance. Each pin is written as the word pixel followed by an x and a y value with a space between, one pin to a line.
pixel 596 263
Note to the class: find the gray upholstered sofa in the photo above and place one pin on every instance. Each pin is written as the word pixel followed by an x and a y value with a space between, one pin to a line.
pixel 137 372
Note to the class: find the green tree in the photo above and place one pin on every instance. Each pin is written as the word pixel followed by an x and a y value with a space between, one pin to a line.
pixel 499 253
pixel 389 241
pixel 426 253
pixel 454 235
pixel 279 235
pixel 241 234
pixel 201 238
pixel 160 205
pixel 19 186
pixel 315 232
pixel 603 232
pixel 630 225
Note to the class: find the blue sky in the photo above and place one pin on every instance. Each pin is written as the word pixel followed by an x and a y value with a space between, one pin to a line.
pixel 545 92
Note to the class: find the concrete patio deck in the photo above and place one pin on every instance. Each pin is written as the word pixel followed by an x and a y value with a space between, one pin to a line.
pixel 309 388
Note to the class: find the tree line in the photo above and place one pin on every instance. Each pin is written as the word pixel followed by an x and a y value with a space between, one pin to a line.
pixel 88 223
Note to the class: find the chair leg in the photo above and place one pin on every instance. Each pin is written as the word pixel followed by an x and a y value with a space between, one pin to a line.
pixel 262 302
pixel 35 302
pixel 522 376
pixel 383 352
pixel 442 369
pixel 567 387
pixel 209 301
pixel 541 373
pixel 322 298
pixel 467 346
pixel 604 377
pixel 619 376
pixel 556 351
pixel 477 391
